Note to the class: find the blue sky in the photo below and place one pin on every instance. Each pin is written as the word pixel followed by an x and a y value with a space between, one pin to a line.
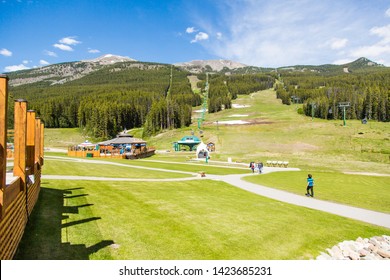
pixel 264 33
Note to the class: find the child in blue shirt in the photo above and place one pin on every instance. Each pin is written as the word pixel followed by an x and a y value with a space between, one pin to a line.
pixel 310 185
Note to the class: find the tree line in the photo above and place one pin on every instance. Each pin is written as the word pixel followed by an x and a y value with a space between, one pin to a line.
pixel 115 98
pixel 225 88
pixel 367 94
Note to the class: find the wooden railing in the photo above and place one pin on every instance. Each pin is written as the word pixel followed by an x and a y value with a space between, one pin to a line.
pixel 18 193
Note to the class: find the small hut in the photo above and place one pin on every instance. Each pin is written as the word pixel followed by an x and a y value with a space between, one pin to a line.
pixel 86 145
pixel 211 147
pixel 202 151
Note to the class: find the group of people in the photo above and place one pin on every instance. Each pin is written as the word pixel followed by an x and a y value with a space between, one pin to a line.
pixel 256 167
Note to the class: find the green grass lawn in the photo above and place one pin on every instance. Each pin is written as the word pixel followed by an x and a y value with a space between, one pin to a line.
pixel 184 220
pixel 370 192
pixel 68 167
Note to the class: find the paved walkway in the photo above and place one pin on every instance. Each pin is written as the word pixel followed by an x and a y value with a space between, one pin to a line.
pixel 368 216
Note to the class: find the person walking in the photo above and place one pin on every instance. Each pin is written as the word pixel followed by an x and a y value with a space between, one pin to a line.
pixel 310 185
pixel 260 167
pixel 252 166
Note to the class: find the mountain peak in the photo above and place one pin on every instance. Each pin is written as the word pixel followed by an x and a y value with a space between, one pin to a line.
pixel 110 59
pixel 215 65
pixel 362 62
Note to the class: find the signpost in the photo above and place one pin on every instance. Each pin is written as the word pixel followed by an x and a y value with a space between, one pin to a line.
pixel 344 105
pixel 313 106
pixel 295 99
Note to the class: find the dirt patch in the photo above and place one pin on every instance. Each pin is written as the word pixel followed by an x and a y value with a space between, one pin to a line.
pixel 237 116
pixel 232 122
pixel 240 106
pixel 300 146
pixel 240 122
pixel 193 81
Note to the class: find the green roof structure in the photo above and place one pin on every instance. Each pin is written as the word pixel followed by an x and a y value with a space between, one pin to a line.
pixel 190 141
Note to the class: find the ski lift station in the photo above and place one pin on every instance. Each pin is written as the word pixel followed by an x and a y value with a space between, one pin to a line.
pixel 189 141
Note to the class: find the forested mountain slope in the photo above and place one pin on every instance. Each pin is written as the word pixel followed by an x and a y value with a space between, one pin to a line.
pixel 105 96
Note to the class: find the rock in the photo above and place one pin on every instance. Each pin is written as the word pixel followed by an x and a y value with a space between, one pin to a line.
pixel 354 255
pixel 361 240
pixel 363 252
pixel 323 256
pixel 383 253
pixel 335 252
pixel 373 241
pixel 374 248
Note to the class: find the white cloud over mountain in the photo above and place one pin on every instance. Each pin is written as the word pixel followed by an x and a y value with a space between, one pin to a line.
pixel 5 52
pixel 63 47
pixel 50 53
pixel 201 36
pixel 43 62
pixel 93 51
pixel 288 32
pixel 190 30
pixel 69 41
pixel 15 68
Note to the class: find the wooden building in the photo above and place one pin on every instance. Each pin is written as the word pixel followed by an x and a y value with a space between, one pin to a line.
pixel 123 146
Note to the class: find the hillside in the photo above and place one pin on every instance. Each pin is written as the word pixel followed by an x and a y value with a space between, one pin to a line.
pixel 69 71
pixel 360 65
pixel 64 72
pixel 260 128
pixel 112 93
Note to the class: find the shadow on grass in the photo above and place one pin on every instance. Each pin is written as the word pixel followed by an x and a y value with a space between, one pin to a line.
pixel 42 239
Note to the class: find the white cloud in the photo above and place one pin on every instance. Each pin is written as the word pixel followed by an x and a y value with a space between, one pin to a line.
pixel 190 30
pixel 13 68
pixel 63 47
pixel 201 36
pixel 383 31
pixel 379 50
pixel 69 41
pixel 93 51
pixel 387 13
pixel 342 61
pixel 50 53
pixel 338 43
pixel 289 32
pixel 372 52
pixel 5 52
pixel 25 61
pixel 43 62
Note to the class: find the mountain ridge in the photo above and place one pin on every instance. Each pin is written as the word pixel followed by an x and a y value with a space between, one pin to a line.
pixel 68 71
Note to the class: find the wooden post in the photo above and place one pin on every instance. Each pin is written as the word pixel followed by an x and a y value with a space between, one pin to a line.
pixel 20 141
pixel 3 137
pixel 37 143
pixel 42 142
pixel 30 141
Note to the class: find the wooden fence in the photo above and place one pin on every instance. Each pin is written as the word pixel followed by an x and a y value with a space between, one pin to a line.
pixel 19 190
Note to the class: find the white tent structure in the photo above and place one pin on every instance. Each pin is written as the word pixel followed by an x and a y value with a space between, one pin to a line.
pixel 201 151
pixel 86 144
